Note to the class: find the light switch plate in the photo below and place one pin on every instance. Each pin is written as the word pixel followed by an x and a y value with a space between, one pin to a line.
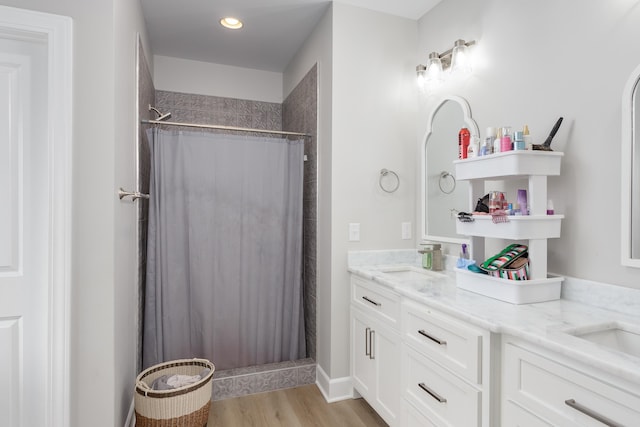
pixel 354 232
pixel 406 230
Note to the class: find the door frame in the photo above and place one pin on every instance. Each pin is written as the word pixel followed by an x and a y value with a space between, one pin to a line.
pixel 57 30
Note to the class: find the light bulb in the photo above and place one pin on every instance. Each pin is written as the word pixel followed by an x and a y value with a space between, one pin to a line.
pixel 434 69
pixel 460 61
pixel 231 23
pixel 421 71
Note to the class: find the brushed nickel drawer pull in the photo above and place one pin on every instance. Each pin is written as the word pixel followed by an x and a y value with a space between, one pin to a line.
pixel 434 339
pixel 367 348
pixel 432 393
pixel 590 413
pixel 367 299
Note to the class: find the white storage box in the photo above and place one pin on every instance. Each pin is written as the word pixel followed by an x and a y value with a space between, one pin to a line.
pixel 509 163
pixel 518 227
pixel 514 292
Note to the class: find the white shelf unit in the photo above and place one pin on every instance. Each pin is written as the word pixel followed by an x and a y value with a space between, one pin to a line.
pixel 536 228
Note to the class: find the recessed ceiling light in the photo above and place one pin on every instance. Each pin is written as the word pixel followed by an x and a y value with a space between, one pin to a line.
pixel 231 23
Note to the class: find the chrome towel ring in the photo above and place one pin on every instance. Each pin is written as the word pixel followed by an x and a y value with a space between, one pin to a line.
pixel 387 187
pixel 443 177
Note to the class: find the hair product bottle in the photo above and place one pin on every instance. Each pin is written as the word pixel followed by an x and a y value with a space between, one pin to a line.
pixel 464 138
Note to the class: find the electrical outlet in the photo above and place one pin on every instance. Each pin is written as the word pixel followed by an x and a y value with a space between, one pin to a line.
pixel 406 230
pixel 354 232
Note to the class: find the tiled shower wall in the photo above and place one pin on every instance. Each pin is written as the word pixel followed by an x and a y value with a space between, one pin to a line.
pixel 215 110
pixel 300 113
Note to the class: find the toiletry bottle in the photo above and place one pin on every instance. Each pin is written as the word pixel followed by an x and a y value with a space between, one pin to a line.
pixel 550 210
pixel 494 199
pixel 474 148
pixel 464 138
pixel 528 141
pixel 464 254
pixel 522 201
pixel 496 141
pixel 489 141
pixel 518 141
pixel 506 143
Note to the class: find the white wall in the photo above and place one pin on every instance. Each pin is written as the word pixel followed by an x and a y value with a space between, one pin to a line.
pixel 205 78
pixel 542 60
pixel 366 121
pixel 128 22
pixel 318 49
pixel 374 127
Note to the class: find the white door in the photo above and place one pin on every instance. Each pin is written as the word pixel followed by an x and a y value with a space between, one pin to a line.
pixel 35 232
pixel 24 232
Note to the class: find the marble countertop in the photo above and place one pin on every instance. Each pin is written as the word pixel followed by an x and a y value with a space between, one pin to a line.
pixel 545 324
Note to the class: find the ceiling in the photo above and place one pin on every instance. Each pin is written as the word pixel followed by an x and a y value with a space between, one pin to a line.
pixel 274 30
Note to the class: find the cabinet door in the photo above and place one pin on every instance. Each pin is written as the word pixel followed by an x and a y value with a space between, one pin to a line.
pixel 362 365
pixel 386 354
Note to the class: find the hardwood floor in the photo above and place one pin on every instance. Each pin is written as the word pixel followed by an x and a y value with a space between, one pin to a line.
pixel 302 406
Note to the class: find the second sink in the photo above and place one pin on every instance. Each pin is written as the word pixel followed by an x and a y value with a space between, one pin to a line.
pixel 614 335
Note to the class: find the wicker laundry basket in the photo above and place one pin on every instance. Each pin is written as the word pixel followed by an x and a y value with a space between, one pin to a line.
pixel 186 406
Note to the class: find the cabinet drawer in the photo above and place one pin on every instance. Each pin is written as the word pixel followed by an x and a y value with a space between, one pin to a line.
pixel 563 394
pixel 374 299
pixel 449 342
pixel 517 416
pixel 411 417
pixel 438 393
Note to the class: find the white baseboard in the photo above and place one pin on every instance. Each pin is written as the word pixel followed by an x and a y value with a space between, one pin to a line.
pixel 131 419
pixel 335 389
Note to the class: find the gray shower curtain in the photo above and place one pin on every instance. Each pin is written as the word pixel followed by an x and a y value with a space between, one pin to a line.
pixel 224 249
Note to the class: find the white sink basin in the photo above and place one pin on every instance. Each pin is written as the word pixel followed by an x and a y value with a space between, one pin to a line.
pixel 614 335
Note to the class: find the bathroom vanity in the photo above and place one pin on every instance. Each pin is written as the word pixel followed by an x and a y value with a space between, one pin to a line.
pixel 426 353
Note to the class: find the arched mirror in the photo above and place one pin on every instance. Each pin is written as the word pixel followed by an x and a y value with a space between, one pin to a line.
pixel 442 195
pixel 630 169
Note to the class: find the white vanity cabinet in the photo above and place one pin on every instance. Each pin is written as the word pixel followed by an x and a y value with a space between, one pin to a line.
pixel 445 369
pixel 375 347
pixel 542 388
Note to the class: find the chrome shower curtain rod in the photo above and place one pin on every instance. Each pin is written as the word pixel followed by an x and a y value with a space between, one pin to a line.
pixel 220 127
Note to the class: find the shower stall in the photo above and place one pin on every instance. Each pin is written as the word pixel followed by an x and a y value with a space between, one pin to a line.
pixel 291 361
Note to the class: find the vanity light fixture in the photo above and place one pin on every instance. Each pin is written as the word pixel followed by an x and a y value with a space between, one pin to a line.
pixel 456 60
pixel 231 23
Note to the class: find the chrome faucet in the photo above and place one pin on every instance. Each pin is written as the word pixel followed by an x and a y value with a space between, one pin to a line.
pixel 432 257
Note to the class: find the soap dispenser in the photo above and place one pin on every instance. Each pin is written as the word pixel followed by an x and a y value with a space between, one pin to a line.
pixel 427 256
pixel 436 261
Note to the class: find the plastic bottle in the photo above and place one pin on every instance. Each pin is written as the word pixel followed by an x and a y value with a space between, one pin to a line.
pixel 522 201
pixel 487 146
pixel 496 141
pixel 518 141
pixel 528 141
pixel 474 148
pixel 464 138
pixel 506 143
